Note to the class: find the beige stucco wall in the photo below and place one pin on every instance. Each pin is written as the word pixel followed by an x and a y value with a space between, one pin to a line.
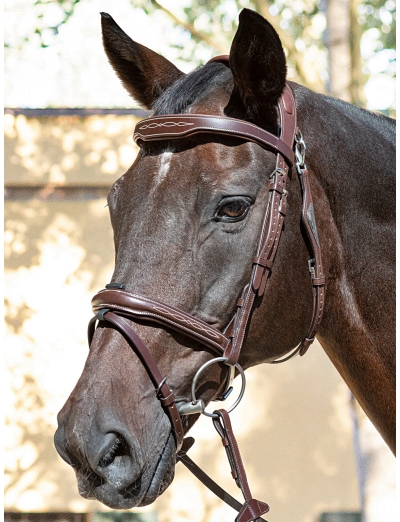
pixel 293 427
pixel 67 150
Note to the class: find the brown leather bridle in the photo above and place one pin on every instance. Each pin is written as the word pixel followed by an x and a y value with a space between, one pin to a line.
pixel 114 303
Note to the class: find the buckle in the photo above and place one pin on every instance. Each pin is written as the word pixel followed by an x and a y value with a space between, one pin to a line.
pixel 279 171
pixel 158 390
pixel 311 266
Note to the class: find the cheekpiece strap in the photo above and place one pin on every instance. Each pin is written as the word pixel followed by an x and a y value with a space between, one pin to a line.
pixel 271 229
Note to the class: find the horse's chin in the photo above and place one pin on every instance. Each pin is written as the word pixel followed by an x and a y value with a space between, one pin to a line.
pixel 142 492
pixel 163 474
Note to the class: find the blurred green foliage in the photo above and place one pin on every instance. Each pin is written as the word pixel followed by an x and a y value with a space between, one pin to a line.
pixel 66 11
pixel 380 14
pixel 210 25
pixel 204 16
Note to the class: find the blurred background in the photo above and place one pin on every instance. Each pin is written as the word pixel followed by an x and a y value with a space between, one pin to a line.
pixel 68 127
pixel 54 58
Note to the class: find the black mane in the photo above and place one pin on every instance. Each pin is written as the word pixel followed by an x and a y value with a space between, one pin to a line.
pixel 192 87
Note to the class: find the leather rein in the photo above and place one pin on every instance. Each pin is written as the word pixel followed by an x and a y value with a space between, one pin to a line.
pixel 114 303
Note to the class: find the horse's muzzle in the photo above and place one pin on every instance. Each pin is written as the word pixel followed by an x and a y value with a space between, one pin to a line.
pixel 111 468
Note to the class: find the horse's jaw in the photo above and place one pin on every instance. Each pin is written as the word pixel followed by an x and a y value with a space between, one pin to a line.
pixel 156 475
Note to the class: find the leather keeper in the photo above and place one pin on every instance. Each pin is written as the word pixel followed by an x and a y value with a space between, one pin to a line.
pixel 276 188
pixel 230 330
pixel 262 261
pixel 305 346
pixel 225 442
pixel 258 272
pixel 318 281
pixel 167 400
pixel 260 265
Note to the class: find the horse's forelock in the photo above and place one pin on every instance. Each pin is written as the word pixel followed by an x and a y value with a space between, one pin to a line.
pixel 191 87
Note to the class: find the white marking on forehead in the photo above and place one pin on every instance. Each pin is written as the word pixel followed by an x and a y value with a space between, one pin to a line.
pixel 165 162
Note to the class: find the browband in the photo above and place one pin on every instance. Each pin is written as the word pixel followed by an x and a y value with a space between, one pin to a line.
pixel 181 125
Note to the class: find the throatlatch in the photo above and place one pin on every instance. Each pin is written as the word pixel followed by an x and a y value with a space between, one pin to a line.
pixel 114 303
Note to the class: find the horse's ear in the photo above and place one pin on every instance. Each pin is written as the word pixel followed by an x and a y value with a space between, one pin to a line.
pixel 144 73
pixel 258 65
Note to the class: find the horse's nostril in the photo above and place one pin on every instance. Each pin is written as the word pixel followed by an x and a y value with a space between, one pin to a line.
pixel 118 447
pixel 62 448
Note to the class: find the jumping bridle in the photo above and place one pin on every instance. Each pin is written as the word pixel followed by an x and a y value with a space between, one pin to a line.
pixel 114 303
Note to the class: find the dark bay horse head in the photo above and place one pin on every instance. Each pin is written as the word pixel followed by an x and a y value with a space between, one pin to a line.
pixel 186 218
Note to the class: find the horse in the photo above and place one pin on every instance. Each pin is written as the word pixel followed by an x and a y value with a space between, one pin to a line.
pixel 186 218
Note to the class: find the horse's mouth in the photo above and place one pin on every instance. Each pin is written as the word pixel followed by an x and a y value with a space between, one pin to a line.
pixel 141 492
pixel 161 477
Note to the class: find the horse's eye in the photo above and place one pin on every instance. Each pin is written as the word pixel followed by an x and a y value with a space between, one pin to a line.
pixel 231 210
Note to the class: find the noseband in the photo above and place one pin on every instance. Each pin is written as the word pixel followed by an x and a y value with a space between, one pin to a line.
pixel 115 303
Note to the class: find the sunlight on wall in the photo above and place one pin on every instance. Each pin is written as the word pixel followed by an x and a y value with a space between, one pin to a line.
pixel 47 309
pixel 69 150
pixel 380 490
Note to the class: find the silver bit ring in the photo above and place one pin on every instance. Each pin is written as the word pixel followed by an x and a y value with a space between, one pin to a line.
pixel 206 365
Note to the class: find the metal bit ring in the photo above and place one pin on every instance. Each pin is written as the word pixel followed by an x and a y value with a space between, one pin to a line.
pixel 206 365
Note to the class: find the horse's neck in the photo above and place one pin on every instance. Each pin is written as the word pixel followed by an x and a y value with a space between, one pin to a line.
pixel 350 154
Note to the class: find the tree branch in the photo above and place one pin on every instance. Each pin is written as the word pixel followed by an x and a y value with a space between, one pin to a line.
pixel 200 36
pixel 262 8
pixel 357 77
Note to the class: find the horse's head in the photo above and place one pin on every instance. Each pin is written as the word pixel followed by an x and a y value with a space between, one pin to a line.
pixel 186 218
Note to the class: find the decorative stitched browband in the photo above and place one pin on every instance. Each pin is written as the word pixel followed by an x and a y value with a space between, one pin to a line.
pixel 176 126
pixel 114 303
